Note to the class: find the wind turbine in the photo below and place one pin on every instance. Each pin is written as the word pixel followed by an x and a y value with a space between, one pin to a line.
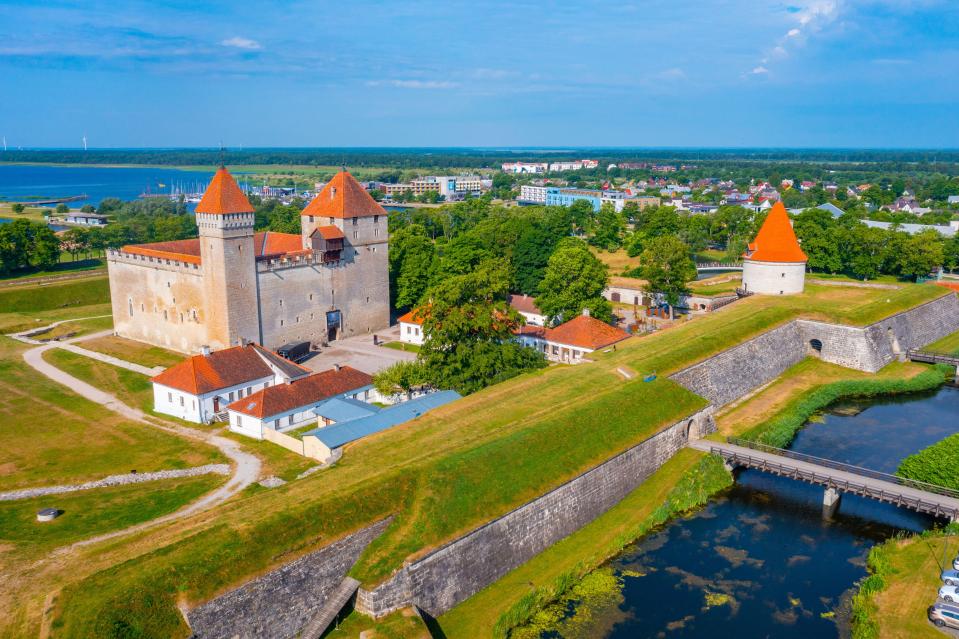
pixel 84 141
pixel 4 143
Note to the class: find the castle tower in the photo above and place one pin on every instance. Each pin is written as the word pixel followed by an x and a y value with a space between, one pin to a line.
pixel 360 292
pixel 225 220
pixel 774 264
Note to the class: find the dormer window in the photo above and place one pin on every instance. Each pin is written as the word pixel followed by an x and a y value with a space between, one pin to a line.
pixel 332 192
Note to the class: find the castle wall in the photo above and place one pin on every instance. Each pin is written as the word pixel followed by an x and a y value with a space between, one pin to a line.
pixel 157 301
pixel 774 278
pixel 294 301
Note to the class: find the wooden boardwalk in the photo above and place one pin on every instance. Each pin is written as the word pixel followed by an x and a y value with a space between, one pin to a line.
pixel 932 357
pixel 835 476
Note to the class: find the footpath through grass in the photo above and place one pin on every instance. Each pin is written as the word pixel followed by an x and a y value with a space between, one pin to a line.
pixel 133 351
pixel 131 388
pixel 93 512
pixel 455 468
pixel 33 305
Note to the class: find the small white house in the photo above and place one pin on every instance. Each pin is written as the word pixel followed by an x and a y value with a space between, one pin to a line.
pixel 288 406
pixel 571 341
pixel 526 306
pixel 411 328
pixel 199 388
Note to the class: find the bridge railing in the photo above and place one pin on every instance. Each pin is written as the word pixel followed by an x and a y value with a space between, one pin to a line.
pixel 934 357
pixel 702 265
pixel 849 468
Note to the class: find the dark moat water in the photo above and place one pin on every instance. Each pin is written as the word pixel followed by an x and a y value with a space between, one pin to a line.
pixel 760 560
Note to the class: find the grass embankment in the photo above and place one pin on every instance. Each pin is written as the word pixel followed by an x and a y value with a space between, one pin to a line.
pixel 129 387
pixel 937 464
pixel 682 483
pixel 54 436
pixel 453 469
pixel 32 306
pixel 82 266
pixel 780 430
pixel 404 624
pixel 948 344
pixel 892 600
pixel 618 261
pixel 714 286
pixel 132 351
pixel 93 512
pixel 75 328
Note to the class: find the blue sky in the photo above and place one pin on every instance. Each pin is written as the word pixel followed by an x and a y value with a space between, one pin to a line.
pixel 872 73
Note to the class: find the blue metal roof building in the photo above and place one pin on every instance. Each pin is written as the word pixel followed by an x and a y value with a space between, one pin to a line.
pixel 344 432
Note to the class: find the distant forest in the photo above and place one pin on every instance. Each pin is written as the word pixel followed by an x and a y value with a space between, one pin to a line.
pixel 866 160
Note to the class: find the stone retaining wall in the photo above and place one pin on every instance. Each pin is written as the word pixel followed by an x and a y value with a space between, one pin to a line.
pixel 278 604
pixel 465 566
pixel 731 374
pixel 116 480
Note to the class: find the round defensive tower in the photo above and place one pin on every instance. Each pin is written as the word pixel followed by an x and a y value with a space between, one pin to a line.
pixel 773 263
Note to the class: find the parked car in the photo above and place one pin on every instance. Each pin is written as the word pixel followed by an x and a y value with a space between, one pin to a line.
pixel 950 577
pixel 294 352
pixel 955 563
pixel 949 593
pixel 944 615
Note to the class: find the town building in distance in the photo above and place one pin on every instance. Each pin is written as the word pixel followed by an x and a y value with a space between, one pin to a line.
pixel 233 285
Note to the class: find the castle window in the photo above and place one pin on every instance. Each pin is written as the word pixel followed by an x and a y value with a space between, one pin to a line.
pixel 168 285
pixel 194 315
pixel 130 306
pixel 281 322
pixel 281 303
pixel 376 232
pixel 311 297
pixel 356 234
pixel 165 316
pixel 367 299
pixel 181 318
pixel 376 218
pixel 141 307
pixel 356 221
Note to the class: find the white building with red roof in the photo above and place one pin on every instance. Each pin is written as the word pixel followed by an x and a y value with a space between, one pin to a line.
pixel 233 285
pixel 199 388
pixel 774 263
pixel 571 341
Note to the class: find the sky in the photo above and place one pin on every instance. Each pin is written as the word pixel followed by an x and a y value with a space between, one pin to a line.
pixel 730 73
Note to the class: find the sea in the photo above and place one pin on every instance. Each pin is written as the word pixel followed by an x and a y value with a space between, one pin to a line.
pixel 23 182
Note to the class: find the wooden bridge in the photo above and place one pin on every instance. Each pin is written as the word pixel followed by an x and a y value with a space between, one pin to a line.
pixel 933 357
pixel 719 266
pixel 836 477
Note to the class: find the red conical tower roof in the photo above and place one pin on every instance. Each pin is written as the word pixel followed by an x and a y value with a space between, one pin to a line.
pixel 343 197
pixel 776 240
pixel 223 196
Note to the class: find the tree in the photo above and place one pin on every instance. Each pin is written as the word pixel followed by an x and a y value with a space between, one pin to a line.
pixel 950 253
pixel 920 254
pixel 62 209
pixel 401 377
pixel 864 251
pixel 412 264
pixel 818 232
pixel 610 227
pixel 468 328
pixel 530 256
pixel 667 268
pixel 17 208
pixel 574 279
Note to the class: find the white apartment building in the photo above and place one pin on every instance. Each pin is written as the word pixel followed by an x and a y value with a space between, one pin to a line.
pixel 530 193
pixel 525 167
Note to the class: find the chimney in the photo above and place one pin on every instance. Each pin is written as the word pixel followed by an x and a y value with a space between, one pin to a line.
pixel 585 312
pixel 204 350
pixel 336 367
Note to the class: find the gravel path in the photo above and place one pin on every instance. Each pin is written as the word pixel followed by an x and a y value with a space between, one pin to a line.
pixel 116 480
pixel 246 467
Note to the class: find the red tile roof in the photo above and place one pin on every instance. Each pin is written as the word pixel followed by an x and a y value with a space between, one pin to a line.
pixel 776 240
pixel 265 244
pixel 180 250
pixel 343 197
pixel 524 304
pixel 202 374
pixel 412 317
pixel 300 393
pixel 223 195
pixel 329 232
pixel 585 332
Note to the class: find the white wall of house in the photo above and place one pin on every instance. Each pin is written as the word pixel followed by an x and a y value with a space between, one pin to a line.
pixel 554 351
pixel 202 408
pixel 411 333
pixel 292 419
pixel 534 319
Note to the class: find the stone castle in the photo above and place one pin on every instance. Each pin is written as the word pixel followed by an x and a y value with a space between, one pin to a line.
pixel 233 285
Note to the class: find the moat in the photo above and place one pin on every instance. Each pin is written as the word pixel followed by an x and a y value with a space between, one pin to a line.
pixel 760 560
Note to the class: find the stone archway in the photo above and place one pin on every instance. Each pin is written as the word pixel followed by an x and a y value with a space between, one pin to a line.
pixel 815 347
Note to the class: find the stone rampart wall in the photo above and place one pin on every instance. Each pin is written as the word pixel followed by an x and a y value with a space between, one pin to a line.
pixel 731 374
pixel 451 574
pixel 278 604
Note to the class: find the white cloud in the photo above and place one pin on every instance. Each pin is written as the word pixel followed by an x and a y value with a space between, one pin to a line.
pixel 792 33
pixel 415 84
pixel 238 42
pixel 760 70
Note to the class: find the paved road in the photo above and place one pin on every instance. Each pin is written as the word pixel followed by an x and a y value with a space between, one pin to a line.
pixel 360 353
pixel 246 467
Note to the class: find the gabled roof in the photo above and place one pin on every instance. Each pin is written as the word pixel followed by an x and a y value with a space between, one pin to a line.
pixel 412 317
pixel 524 304
pixel 776 240
pixel 301 393
pixel 343 197
pixel 343 409
pixel 269 243
pixel 329 232
pixel 585 332
pixel 203 374
pixel 223 196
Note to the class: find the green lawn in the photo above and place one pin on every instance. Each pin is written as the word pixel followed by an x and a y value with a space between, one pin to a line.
pixel 948 344
pixel 54 436
pixel 129 387
pixel 92 512
pixel 67 265
pixel 76 328
pixel 132 351
pixel 32 305
pixel 455 468
pixel 402 346
pixel 276 460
